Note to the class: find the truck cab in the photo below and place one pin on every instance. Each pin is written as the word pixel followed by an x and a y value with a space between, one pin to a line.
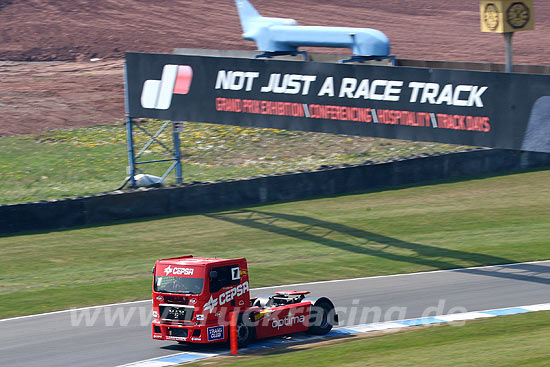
pixel 189 295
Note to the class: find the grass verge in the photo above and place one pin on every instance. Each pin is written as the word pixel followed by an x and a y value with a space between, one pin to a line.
pixel 520 340
pixel 493 220
pixel 63 163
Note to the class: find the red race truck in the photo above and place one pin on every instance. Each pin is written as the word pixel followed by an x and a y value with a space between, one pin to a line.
pixel 194 298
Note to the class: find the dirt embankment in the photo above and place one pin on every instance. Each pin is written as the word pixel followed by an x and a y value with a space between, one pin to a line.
pixel 72 91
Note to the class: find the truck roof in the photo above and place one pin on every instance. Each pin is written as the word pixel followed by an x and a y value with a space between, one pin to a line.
pixel 199 261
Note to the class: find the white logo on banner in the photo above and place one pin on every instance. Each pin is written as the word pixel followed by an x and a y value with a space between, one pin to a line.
pixel 157 94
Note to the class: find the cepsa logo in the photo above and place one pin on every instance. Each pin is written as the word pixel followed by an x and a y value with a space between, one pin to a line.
pixel 178 271
pixel 226 297
pixel 157 94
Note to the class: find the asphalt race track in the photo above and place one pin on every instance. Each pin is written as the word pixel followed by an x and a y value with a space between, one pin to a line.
pixel 119 334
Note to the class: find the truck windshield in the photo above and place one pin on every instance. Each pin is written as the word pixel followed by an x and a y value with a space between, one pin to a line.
pixel 178 285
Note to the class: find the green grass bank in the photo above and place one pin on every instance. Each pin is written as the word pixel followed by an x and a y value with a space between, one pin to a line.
pixel 493 220
pixel 66 163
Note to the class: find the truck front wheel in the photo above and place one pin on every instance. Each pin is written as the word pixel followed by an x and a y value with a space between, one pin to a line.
pixel 245 333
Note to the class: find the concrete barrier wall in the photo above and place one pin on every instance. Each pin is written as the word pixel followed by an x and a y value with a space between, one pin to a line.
pixel 208 196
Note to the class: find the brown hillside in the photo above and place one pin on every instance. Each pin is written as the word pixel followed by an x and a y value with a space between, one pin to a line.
pixel 74 92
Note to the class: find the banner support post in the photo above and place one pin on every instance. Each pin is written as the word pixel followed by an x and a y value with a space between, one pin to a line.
pixel 129 132
pixel 131 157
pixel 508 39
pixel 177 153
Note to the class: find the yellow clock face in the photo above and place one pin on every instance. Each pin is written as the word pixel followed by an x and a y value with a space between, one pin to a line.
pixel 491 16
pixel 517 15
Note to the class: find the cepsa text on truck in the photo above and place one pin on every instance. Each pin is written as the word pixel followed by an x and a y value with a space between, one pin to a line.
pixel 194 298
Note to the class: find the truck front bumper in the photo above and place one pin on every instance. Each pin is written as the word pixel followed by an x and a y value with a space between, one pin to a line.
pixel 189 333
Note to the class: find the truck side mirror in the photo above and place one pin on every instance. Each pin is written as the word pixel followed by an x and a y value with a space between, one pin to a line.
pixel 153 271
pixel 213 274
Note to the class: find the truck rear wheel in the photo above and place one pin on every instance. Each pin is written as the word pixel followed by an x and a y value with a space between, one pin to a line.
pixel 322 317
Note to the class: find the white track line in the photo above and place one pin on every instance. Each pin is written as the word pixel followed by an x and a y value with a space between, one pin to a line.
pixel 74 309
pixel 404 274
pixel 295 285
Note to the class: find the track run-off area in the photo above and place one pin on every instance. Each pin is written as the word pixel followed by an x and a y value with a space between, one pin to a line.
pixel 118 334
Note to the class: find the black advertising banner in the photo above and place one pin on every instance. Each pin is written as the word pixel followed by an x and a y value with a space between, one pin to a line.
pixel 510 111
